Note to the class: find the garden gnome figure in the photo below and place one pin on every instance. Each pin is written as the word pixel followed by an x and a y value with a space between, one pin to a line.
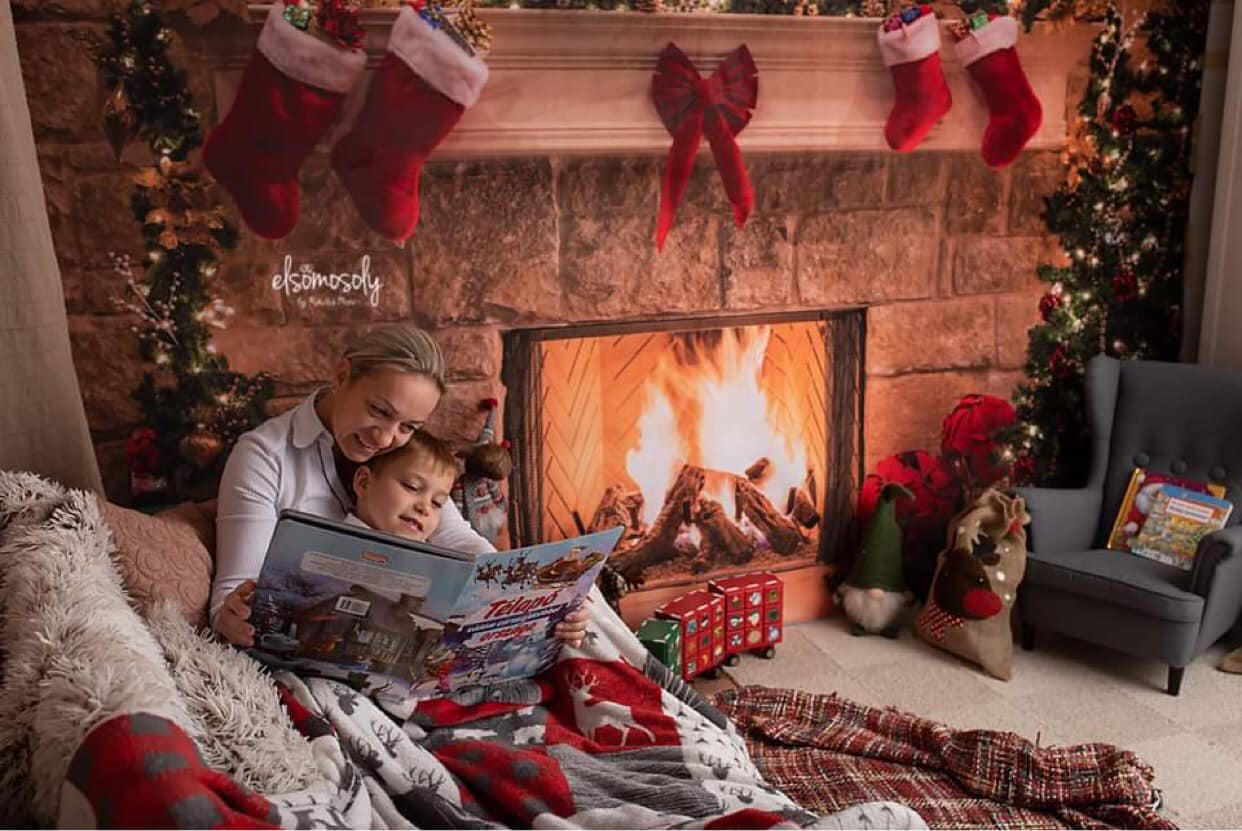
pixel 874 594
pixel 478 492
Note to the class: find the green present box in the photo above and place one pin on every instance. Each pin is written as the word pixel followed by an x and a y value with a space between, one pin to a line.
pixel 662 638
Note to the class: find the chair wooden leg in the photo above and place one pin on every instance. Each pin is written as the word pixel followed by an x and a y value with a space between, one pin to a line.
pixel 1175 680
pixel 1028 636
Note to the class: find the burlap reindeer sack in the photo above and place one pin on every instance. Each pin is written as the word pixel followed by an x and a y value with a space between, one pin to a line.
pixel 969 608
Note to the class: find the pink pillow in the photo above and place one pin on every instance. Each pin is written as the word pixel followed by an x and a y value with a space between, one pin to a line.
pixel 165 556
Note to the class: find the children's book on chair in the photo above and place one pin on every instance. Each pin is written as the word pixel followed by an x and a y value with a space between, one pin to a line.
pixel 391 616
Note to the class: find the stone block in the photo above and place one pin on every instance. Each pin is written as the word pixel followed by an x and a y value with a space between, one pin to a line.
pixel 62 83
pixel 866 256
pixel 72 285
pixel 24 10
pixel 1015 315
pixel 58 195
pixel 759 265
pixel 329 220
pixel 997 264
pixel 473 353
pixel 114 469
pixel 247 287
pixel 457 419
pixel 905 412
pixel 976 196
pixel 916 179
pixel 105 222
pixel 109 367
pixel 486 247
pixel 801 184
pixel 1035 176
pixel 1002 384
pixel 592 186
pixel 941 334
pixel 610 268
pixel 296 356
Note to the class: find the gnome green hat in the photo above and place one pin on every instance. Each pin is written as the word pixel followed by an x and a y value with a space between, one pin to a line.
pixel 878 565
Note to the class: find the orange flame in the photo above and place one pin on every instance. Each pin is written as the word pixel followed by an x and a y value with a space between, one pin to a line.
pixel 706 404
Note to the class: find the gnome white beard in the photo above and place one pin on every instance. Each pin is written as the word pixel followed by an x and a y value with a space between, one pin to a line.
pixel 874 614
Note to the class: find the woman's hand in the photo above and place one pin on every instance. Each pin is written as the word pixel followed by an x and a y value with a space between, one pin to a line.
pixel 232 621
pixel 572 628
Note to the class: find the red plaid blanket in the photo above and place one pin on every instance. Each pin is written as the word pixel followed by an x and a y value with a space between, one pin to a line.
pixel 827 753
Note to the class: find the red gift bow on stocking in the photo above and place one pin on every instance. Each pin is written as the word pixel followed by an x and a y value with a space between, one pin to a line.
pixel 690 106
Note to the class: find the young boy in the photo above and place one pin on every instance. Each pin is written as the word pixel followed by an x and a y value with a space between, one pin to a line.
pixel 403 492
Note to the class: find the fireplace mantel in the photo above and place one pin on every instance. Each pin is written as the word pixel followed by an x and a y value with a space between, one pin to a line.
pixel 576 82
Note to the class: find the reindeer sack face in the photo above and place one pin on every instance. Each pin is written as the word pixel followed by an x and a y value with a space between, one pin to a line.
pixel 976 584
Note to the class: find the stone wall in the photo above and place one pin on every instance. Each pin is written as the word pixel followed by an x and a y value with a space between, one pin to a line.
pixel 940 249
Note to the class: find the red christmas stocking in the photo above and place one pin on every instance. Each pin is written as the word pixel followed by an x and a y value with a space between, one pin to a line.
pixel 989 55
pixel 920 95
pixel 422 87
pixel 291 93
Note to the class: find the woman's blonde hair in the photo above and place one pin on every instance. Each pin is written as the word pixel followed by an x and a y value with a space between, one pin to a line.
pixel 400 345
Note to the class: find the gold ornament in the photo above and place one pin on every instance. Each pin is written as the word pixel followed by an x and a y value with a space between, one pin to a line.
pixel 118 120
pixel 201 448
pixel 875 8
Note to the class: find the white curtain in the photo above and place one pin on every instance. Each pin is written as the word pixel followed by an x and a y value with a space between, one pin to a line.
pixel 42 422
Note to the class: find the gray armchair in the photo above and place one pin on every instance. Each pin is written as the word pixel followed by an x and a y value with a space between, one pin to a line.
pixel 1179 418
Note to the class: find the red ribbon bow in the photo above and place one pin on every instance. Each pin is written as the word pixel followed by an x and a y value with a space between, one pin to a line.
pixel 690 106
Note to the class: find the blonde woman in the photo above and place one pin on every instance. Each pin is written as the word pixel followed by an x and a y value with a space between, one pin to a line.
pixel 384 389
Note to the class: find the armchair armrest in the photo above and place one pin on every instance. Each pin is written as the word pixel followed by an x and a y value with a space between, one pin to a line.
pixel 1217 577
pixel 1219 550
pixel 1062 519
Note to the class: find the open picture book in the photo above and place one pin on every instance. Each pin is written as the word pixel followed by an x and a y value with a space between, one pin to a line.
pixel 391 616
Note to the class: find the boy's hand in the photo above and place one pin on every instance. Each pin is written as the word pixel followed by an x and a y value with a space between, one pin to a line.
pixel 572 629
pixel 231 622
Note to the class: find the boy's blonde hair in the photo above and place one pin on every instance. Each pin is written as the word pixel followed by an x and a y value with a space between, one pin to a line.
pixel 434 450
pixel 401 345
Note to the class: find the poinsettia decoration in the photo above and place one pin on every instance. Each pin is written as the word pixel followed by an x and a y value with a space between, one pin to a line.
pixel 968 439
pixel 972 458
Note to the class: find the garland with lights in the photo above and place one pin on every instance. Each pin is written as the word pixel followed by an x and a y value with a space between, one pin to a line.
pixel 194 407
pixel 1121 217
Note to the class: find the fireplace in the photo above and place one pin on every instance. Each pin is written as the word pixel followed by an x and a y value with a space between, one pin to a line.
pixel 722 445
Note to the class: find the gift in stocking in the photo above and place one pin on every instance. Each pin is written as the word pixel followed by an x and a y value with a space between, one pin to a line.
pixel 292 91
pixel 422 87
pixel 989 55
pixel 920 95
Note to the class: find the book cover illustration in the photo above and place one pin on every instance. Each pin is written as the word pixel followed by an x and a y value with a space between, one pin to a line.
pixel 501 626
pixel 366 613
pixel 1178 520
pixel 1137 503
pixel 390 619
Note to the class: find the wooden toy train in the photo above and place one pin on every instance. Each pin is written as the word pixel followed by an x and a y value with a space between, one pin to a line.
pixel 705 628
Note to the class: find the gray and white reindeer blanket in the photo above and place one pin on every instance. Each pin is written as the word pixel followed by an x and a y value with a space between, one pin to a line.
pixel 111 718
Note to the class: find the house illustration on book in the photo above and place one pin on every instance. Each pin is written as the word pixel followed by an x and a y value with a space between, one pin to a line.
pixel 385 634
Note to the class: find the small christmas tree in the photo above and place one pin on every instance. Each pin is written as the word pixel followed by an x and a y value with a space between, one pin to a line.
pixel 194 406
pixel 1121 218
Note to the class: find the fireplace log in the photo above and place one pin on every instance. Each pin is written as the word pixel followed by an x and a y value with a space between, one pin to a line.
pixel 781 532
pixel 723 541
pixel 618 507
pixel 760 471
pixel 801 509
pixel 659 543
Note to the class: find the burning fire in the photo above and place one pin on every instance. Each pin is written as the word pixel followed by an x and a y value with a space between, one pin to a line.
pixel 706 405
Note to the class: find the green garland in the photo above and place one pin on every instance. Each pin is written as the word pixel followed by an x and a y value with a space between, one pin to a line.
pixel 194 404
pixel 1121 218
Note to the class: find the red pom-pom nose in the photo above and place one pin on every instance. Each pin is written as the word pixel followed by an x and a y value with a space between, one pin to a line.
pixel 981 604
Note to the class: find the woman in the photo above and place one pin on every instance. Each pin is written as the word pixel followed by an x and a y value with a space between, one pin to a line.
pixel 384 389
